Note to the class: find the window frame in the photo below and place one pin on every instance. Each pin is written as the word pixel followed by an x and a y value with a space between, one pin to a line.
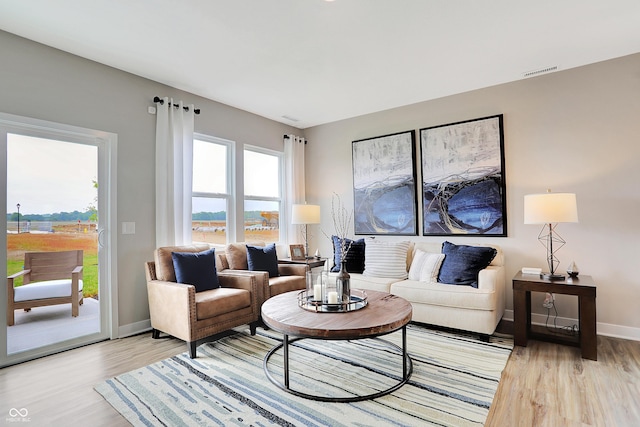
pixel 230 195
pixel 282 233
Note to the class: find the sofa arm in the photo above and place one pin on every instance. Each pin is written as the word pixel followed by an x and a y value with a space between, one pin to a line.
pixel 172 307
pixel 491 278
pixel 293 269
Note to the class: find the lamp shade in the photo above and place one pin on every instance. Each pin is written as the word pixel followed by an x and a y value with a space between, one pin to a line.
pixel 305 214
pixel 550 208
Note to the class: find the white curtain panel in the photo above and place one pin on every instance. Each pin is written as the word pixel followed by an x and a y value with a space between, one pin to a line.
pixel 174 164
pixel 294 180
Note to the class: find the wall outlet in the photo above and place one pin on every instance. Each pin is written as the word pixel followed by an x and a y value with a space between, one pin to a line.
pixel 549 301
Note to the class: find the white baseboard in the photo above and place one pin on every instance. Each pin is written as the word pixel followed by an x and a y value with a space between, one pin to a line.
pixel 134 328
pixel 605 329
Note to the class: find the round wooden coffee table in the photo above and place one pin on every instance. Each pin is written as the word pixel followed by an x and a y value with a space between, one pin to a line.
pixel 384 313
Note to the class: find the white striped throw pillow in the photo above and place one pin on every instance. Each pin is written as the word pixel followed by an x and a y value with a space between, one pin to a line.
pixel 425 266
pixel 386 259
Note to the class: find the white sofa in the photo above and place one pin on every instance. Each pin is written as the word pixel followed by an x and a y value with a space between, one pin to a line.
pixel 453 306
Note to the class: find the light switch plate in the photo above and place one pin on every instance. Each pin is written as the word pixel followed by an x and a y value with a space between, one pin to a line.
pixel 128 228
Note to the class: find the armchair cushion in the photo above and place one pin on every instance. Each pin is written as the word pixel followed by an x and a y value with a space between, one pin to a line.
pixel 197 269
pixel 221 301
pixel 263 259
pixel 462 263
pixel 46 289
pixel 164 262
pixel 237 255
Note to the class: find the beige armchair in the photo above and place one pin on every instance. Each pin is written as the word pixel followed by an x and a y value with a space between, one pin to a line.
pixel 178 310
pixel 291 277
pixel 48 278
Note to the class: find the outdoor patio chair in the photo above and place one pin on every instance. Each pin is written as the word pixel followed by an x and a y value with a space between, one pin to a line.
pixel 49 278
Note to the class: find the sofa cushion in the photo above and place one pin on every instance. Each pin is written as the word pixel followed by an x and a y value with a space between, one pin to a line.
pixel 197 269
pixel 425 266
pixel 360 281
pixel 354 258
pixel 386 259
pixel 444 295
pixel 462 263
pixel 263 258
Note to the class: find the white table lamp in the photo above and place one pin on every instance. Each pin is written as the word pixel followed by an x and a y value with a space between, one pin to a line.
pixel 305 215
pixel 550 209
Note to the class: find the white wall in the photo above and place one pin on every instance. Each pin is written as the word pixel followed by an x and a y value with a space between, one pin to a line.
pixel 44 83
pixel 572 131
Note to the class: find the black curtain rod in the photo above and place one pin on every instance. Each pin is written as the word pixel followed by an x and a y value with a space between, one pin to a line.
pixel 161 101
pixel 287 137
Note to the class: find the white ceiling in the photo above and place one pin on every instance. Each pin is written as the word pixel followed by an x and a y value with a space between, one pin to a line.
pixel 318 61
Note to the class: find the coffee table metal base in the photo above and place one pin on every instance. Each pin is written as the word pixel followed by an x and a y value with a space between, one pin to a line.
pixel 407 370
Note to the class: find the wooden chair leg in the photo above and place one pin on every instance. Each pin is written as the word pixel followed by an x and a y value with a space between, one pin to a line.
pixel 11 318
pixel 192 349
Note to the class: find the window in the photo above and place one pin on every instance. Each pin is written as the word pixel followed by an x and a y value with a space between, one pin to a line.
pixel 212 198
pixel 262 195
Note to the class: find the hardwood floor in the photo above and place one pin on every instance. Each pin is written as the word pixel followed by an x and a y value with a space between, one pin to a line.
pixel 543 384
pixel 58 390
pixel 548 384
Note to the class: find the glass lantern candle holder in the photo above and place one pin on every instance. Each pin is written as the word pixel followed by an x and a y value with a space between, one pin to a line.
pixel 316 286
pixel 332 296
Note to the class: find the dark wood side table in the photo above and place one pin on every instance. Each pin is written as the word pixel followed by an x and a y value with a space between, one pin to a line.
pixel 311 262
pixel 583 287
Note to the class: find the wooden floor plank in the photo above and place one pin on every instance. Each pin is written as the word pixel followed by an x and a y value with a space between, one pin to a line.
pixel 543 384
pixel 547 384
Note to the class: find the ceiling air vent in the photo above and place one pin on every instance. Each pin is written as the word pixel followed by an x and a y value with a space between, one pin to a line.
pixel 293 119
pixel 534 73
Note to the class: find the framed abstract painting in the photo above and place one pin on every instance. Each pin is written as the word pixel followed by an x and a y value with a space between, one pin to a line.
pixel 384 185
pixel 463 181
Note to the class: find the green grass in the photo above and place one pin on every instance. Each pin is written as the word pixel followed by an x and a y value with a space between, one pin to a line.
pixel 89 274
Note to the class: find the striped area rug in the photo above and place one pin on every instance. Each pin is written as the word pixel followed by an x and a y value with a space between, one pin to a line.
pixel 453 383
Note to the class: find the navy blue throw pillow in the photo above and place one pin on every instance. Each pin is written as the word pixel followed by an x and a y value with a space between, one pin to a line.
pixel 462 263
pixel 197 269
pixel 263 259
pixel 354 258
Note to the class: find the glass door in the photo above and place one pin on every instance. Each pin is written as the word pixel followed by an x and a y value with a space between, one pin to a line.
pixel 55 202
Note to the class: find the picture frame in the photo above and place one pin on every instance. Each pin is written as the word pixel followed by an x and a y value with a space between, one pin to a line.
pixel 463 178
pixel 384 185
pixel 297 252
